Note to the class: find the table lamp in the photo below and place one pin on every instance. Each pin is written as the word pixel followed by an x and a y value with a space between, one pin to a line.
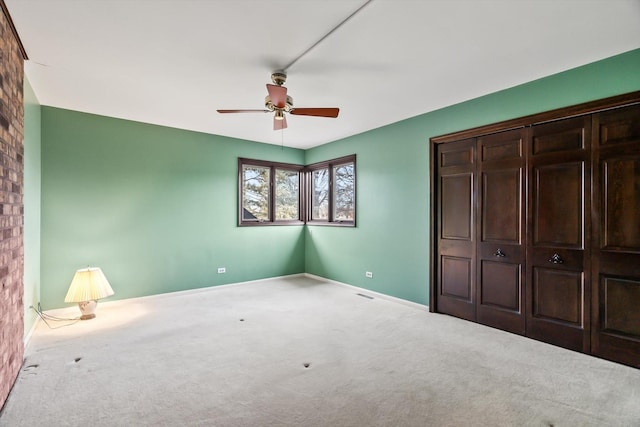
pixel 87 287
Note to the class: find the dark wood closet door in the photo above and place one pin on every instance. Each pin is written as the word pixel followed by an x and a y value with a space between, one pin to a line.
pixel 558 267
pixel 616 253
pixel 501 231
pixel 455 222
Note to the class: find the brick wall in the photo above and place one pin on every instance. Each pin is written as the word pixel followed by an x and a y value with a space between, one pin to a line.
pixel 11 208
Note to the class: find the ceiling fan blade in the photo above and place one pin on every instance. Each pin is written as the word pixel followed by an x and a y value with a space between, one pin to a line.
pixel 280 124
pixel 318 112
pixel 278 95
pixel 243 111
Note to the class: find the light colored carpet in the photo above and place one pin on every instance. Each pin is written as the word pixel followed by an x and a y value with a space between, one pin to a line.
pixel 235 356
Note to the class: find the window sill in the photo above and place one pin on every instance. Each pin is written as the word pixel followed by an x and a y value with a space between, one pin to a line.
pixel 351 224
pixel 269 223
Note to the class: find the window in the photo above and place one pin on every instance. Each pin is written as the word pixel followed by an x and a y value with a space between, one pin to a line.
pixel 255 195
pixel 333 192
pixel 284 194
pixel 344 192
pixel 287 194
pixel 269 193
pixel 320 194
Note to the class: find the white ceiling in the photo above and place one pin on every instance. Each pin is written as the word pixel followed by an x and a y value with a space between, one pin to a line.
pixel 174 62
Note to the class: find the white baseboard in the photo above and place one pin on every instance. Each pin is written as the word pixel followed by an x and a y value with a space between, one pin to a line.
pixel 73 311
pixel 369 292
pixel 27 338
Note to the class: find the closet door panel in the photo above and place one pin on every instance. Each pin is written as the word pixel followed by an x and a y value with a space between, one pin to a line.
pixel 501 250
pixel 558 290
pixel 557 295
pixel 621 204
pixel 558 205
pixel 501 285
pixel 456 278
pixel 455 221
pixel 456 206
pixel 501 206
pixel 616 253
pixel 621 314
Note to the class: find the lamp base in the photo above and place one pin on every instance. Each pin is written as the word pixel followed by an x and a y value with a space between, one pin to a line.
pixel 88 309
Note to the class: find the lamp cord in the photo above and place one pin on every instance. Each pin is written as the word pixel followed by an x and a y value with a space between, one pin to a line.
pixel 46 317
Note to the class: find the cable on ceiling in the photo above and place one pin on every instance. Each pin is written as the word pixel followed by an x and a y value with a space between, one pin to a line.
pixel 327 35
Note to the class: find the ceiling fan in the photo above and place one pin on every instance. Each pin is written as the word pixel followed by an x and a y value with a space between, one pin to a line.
pixel 279 103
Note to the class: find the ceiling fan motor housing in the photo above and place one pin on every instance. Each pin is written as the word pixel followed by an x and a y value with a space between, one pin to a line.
pixel 287 107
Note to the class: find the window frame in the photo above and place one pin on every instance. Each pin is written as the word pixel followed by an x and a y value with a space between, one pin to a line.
pixel 305 183
pixel 330 165
pixel 273 166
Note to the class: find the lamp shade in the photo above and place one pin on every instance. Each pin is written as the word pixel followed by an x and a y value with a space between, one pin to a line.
pixel 88 284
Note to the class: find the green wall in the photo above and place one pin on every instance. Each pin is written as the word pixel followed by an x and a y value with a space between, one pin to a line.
pixel 32 194
pixel 154 207
pixel 392 235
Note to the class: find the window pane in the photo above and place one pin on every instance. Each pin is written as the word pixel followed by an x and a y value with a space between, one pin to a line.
pixel 255 193
pixel 287 199
pixel 320 196
pixel 344 192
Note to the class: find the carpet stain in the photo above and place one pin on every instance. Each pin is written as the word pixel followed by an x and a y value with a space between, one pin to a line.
pixel 77 359
pixel 30 370
pixel 306 365
pixel 242 320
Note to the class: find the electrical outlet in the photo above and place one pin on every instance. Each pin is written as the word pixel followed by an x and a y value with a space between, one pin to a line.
pixel 221 270
pixel 369 274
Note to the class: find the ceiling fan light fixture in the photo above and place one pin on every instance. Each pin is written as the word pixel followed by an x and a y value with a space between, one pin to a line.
pixel 279 115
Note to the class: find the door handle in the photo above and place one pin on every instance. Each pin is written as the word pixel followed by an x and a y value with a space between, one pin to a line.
pixel 556 259
pixel 500 254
